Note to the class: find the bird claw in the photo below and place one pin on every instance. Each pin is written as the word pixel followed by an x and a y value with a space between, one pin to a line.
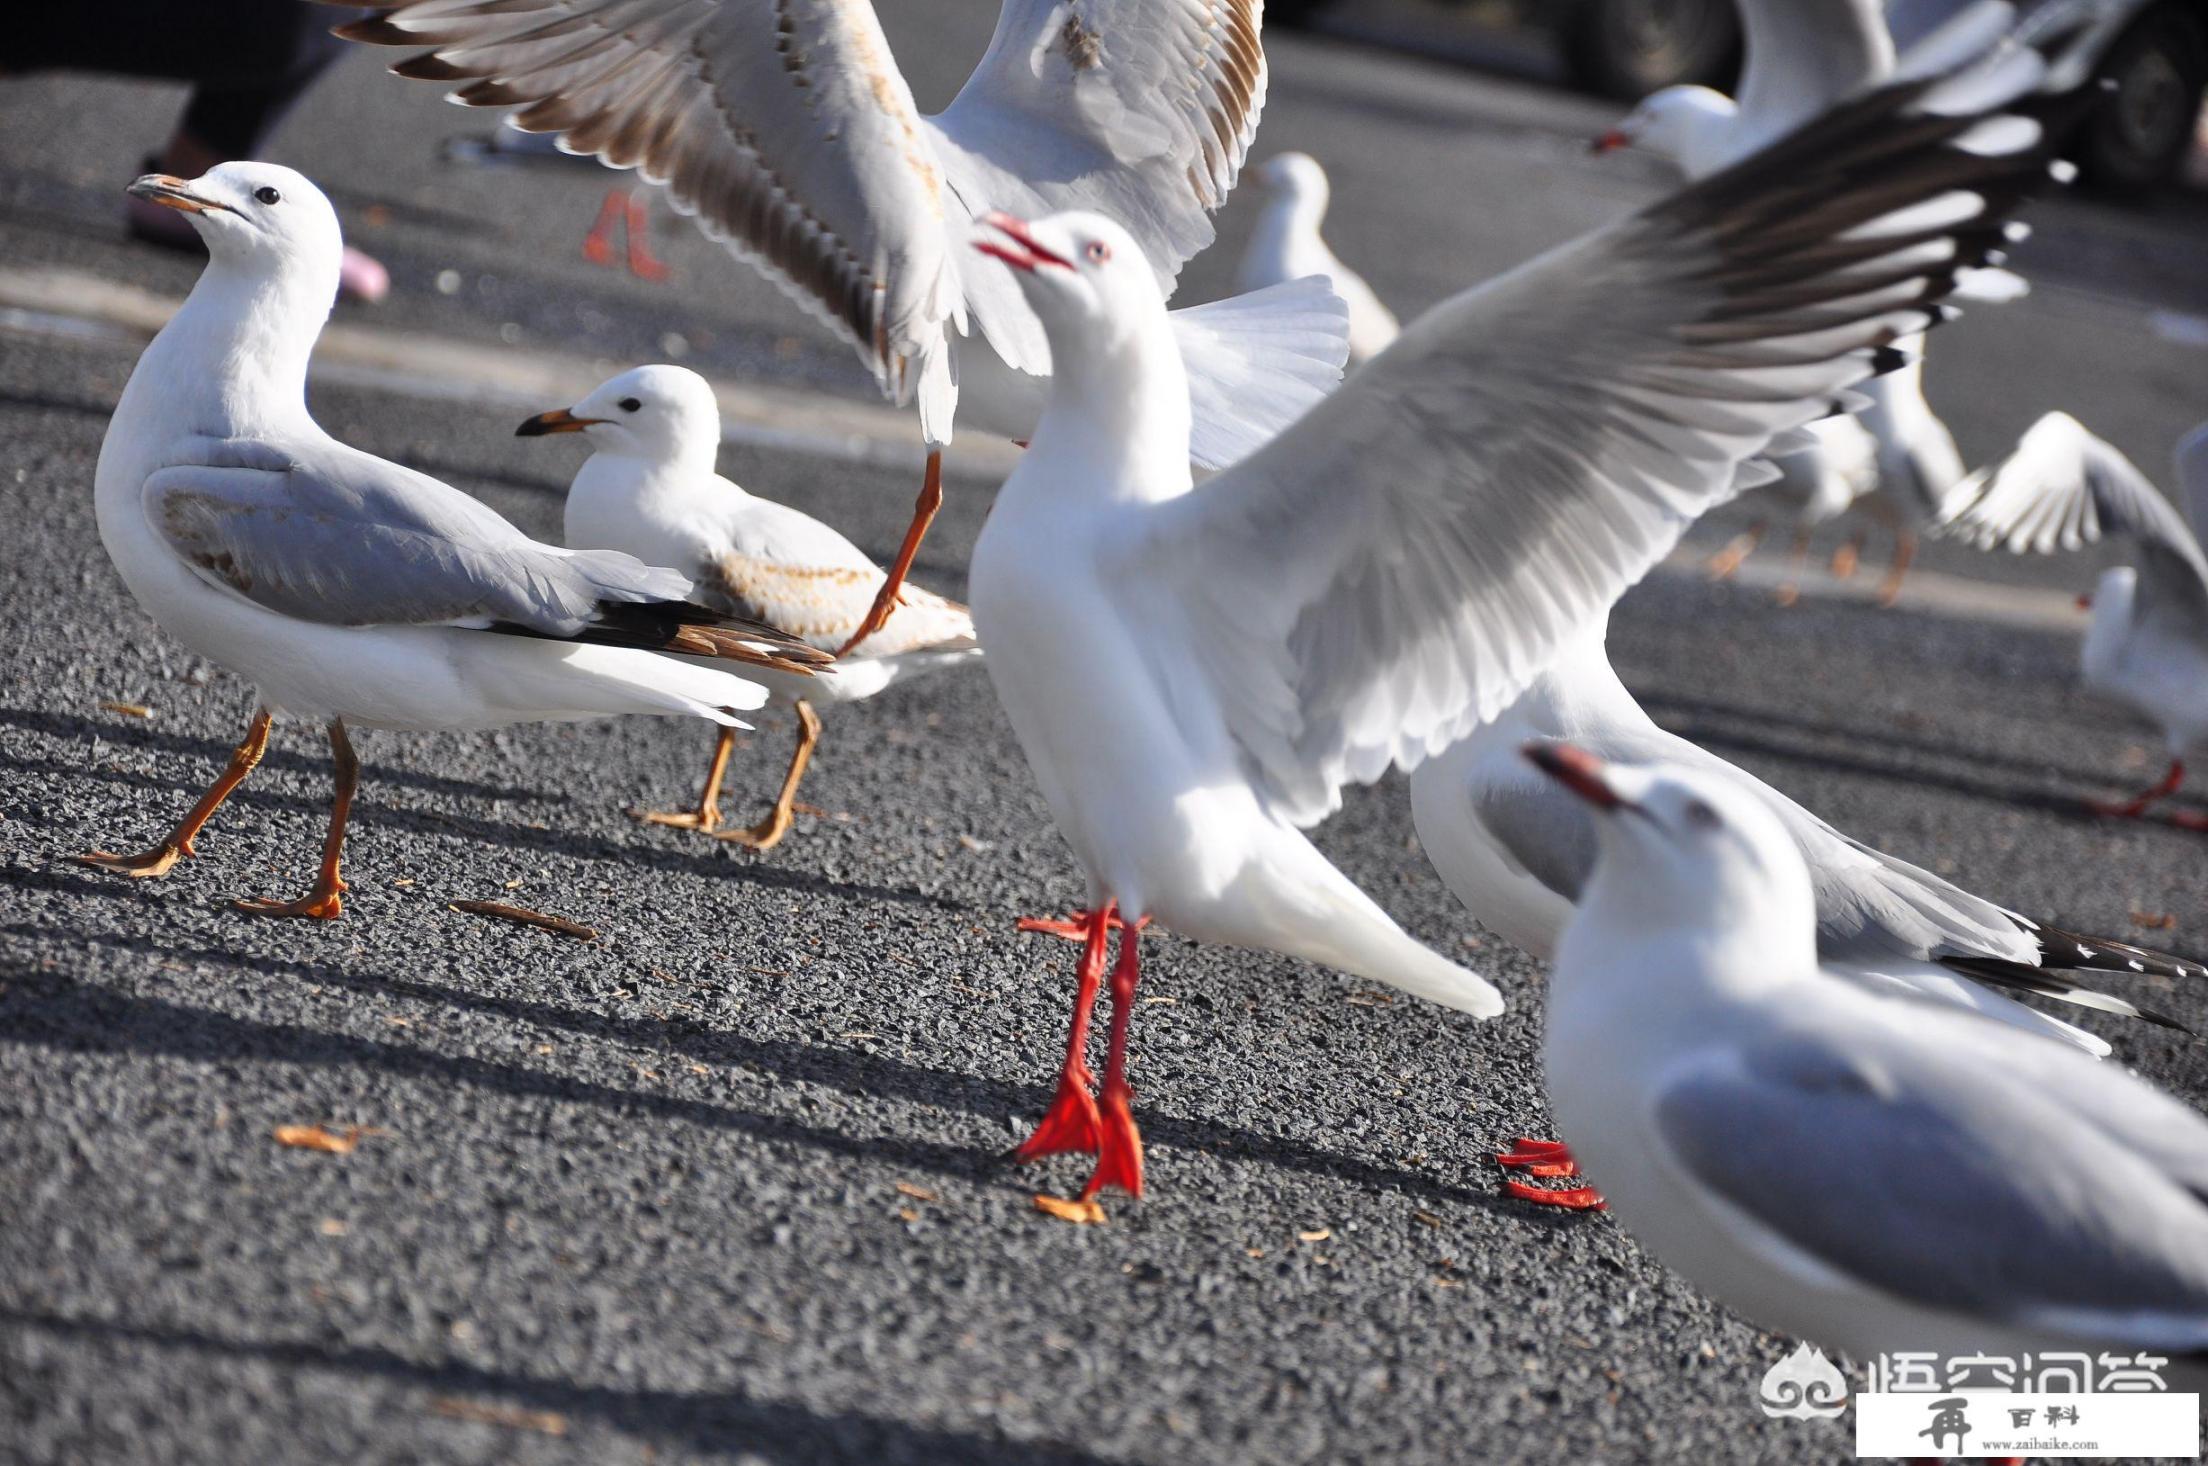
pixel 319 906
pixel 1575 1198
pixel 1072 1123
pixel 1547 1158
pixel 705 820
pixel 765 835
pixel 1075 927
pixel 1119 1156
pixel 146 865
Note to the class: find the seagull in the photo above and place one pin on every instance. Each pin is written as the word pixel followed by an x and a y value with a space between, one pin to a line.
pixel 1519 850
pixel 2147 645
pixel 792 137
pixel 1800 60
pixel 1194 674
pixel 1286 245
pixel 348 589
pixel 648 489
pixel 1871 1175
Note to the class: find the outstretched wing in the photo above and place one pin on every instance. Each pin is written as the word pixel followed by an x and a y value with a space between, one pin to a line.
pixel 1803 56
pixel 1140 110
pixel 2061 488
pixel 784 126
pixel 1394 569
pixel 325 533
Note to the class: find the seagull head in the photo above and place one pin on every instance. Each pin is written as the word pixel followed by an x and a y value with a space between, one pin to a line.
pixel 1082 274
pixel 661 414
pixel 258 217
pixel 1684 846
pixel 1296 177
pixel 1679 125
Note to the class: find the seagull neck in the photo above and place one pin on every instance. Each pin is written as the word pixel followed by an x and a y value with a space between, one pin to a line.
pixel 1579 695
pixel 1739 938
pixel 243 340
pixel 1122 413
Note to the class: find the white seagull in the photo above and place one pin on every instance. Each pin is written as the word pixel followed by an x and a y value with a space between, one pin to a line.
pixel 1286 245
pixel 347 589
pixel 1874 1176
pixel 1803 56
pixel 2147 645
pixel 1194 675
pixel 787 130
pixel 649 489
pixel 1518 851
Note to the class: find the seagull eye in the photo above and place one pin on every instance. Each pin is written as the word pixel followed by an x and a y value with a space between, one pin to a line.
pixel 628 404
pixel 1701 816
pixel 267 195
pixel 1098 251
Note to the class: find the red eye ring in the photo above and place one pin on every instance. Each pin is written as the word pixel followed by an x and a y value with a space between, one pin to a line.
pixel 1098 251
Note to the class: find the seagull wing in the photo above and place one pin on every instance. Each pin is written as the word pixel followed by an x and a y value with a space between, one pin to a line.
pixel 1803 56
pixel 1955 1163
pixel 784 126
pixel 325 533
pixel 1395 568
pixel 1140 110
pixel 2061 488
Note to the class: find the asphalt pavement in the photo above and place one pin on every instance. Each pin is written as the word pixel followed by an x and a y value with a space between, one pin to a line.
pixel 728 1183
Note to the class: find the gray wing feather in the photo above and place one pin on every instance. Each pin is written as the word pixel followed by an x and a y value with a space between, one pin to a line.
pixel 1942 1176
pixel 1395 568
pixel 326 533
pixel 1803 56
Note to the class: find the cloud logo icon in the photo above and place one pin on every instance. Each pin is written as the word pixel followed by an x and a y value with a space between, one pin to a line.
pixel 1805 1385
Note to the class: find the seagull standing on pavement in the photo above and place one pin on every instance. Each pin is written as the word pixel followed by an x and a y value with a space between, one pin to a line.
pixel 2147 645
pixel 1287 245
pixel 1802 58
pixel 649 489
pixel 347 589
pixel 1195 673
pixel 789 132
pixel 1874 1176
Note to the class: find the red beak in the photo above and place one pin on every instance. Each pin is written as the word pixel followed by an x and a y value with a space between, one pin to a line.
pixel 1611 141
pixel 1024 252
pixel 2085 602
pixel 1576 769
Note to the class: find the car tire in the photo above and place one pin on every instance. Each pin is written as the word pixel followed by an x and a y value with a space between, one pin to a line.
pixel 2158 69
pixel 1629 48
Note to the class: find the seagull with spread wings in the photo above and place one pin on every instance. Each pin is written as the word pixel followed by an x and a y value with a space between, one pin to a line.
pixel 2147 645
pixel 347 589
pixel 1195 672
pixel 785 127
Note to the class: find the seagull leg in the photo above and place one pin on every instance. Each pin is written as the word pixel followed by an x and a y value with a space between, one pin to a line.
pixel 643 264
pixel 598 244
pixel 707 816
pixel 326 901
pixel 1071 1123
pixel 1790 589
pixel 1848 557
pixel 768 832
pixel 1074 928
pixel 1726 563
pixel 1905 552
pixel 2138 806
pixel 1548 1159
pixel 923 514
pixel 157 861
pixel 1119 1152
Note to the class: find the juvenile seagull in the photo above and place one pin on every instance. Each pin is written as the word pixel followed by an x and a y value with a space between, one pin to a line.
pixel 1518 850
pixel 1287 245
pixel 347 589
pixel 786 128
pixel 649 489
pixel 2147 645
pixel 1195 675
pixel 1875 1176
pixel 1801 57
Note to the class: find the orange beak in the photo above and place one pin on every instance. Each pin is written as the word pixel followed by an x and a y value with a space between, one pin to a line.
pixel 1576 769
pixel 1611 141
pixel 1024 251
pixel 558 420
pixel 171 192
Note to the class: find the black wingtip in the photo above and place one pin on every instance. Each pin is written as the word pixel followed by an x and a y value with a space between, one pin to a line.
pixel 1886 359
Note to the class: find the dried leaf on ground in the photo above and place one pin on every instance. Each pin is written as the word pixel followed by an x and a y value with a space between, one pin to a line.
pixel 523 916
pixel 917 1193
pixel 315 1137
pixel 512 1417
pixel 1082 1213
pixel 128 709
pixel 1316 1234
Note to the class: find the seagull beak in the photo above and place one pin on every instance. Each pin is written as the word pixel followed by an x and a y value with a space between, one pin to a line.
pixel 558 420
pixel 1577 770
pixel 1611 141
pixel 171 192
pixel 1024 252
pixel 2085 601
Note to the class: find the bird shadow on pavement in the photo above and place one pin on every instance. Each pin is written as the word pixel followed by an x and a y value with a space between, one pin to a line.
pixel 212 753
pixel 1816 744
pixel 87 1017
pixel 707 1422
